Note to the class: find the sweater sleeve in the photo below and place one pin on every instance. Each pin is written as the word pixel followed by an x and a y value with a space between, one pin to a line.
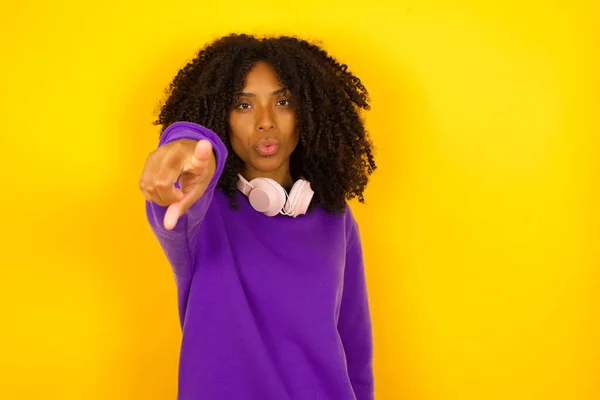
pixel 176 243
pixel 354 324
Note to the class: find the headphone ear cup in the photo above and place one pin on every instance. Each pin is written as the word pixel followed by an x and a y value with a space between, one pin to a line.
pixel 267 196
pixel 299 199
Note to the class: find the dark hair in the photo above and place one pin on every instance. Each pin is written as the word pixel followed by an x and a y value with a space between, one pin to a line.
pixel 334 151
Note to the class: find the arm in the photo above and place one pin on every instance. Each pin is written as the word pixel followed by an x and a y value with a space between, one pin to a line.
pixel 354 324
pixel 176 242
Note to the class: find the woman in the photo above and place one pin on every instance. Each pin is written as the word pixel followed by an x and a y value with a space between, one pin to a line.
pixel 261 146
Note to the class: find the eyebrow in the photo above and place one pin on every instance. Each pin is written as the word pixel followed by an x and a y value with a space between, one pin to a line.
pixel 276 92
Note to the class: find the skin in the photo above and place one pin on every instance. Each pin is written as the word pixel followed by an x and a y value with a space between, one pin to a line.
pixel 261 115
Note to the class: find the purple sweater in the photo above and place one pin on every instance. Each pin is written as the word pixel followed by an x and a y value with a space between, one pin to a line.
pixel 271 308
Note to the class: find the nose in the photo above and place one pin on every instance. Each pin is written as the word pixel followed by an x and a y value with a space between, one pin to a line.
pixel 265 120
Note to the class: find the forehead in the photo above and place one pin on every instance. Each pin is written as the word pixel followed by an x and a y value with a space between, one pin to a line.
pixel 261 75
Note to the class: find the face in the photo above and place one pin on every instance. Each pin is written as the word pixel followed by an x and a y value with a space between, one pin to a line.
pixel 263 126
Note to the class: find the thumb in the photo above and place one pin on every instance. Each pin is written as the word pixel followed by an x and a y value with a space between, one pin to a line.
pixel 199 161
pixel 198 165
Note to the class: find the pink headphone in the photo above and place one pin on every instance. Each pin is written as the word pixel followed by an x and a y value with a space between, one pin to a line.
pixel 268 197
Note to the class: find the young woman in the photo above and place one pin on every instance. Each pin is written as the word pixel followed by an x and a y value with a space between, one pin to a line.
pixel 261 146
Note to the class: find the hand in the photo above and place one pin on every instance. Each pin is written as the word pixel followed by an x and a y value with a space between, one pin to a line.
pixel 191 162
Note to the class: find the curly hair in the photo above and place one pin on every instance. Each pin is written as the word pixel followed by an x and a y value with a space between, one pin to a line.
pixel 334 153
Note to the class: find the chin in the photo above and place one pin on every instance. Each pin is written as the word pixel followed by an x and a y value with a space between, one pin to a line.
pixel 268 163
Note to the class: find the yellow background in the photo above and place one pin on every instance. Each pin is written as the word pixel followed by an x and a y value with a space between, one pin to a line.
pixel 481 229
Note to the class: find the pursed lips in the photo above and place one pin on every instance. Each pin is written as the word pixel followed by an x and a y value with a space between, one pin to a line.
pixel 267 147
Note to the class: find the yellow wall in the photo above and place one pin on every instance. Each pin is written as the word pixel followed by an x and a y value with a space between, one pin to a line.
pixel 481 230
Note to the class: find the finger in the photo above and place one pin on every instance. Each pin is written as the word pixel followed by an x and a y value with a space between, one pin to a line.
pixel 149 196
pixel 200 159
pixel 164 186
pixel 166 197
pixel 160 173
pixel 177 209
pixel 172 216
pixel 160 192
pixel 146 184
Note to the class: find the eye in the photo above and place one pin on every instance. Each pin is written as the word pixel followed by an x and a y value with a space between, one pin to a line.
pixel 283 103
pixel 243 106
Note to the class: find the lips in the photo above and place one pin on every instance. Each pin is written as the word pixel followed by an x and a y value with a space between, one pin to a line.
pixel 267 147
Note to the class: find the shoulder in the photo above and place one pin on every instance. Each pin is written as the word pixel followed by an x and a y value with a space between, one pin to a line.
pixel 351 226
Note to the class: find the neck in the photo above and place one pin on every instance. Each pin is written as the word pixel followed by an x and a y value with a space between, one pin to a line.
pixel 280 175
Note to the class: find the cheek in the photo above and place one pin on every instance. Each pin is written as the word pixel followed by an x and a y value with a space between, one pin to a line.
pixel 287 124
pixel 294 139
pixel 238 137
pixel 287 121
pixel 238 146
